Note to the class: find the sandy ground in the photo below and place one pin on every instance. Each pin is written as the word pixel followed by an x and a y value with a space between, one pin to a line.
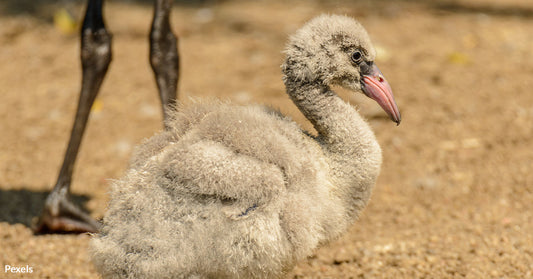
pixel 455 196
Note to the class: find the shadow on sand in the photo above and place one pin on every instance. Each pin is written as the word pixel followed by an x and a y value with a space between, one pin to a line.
pixel 23 206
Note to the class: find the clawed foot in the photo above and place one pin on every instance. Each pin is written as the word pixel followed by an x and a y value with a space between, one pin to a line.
pixel 60 215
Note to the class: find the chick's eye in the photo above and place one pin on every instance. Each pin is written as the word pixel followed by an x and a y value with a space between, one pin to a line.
pixel 357 56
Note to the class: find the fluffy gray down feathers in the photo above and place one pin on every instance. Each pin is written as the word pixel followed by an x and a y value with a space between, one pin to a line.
pixel 227 192
pixel 204 200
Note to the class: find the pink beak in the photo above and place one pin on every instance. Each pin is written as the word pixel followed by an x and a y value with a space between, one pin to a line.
pixel 377 88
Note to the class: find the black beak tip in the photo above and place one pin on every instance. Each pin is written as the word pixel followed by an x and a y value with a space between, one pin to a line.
pixel 397 121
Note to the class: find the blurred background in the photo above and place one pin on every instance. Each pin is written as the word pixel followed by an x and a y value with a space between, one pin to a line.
pixel 455 195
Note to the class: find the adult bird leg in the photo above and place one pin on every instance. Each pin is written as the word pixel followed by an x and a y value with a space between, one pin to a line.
pixel 59 213
pixel 164 57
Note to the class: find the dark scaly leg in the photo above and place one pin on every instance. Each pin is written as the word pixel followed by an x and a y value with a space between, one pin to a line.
pixel 59 213
pixel 164 56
